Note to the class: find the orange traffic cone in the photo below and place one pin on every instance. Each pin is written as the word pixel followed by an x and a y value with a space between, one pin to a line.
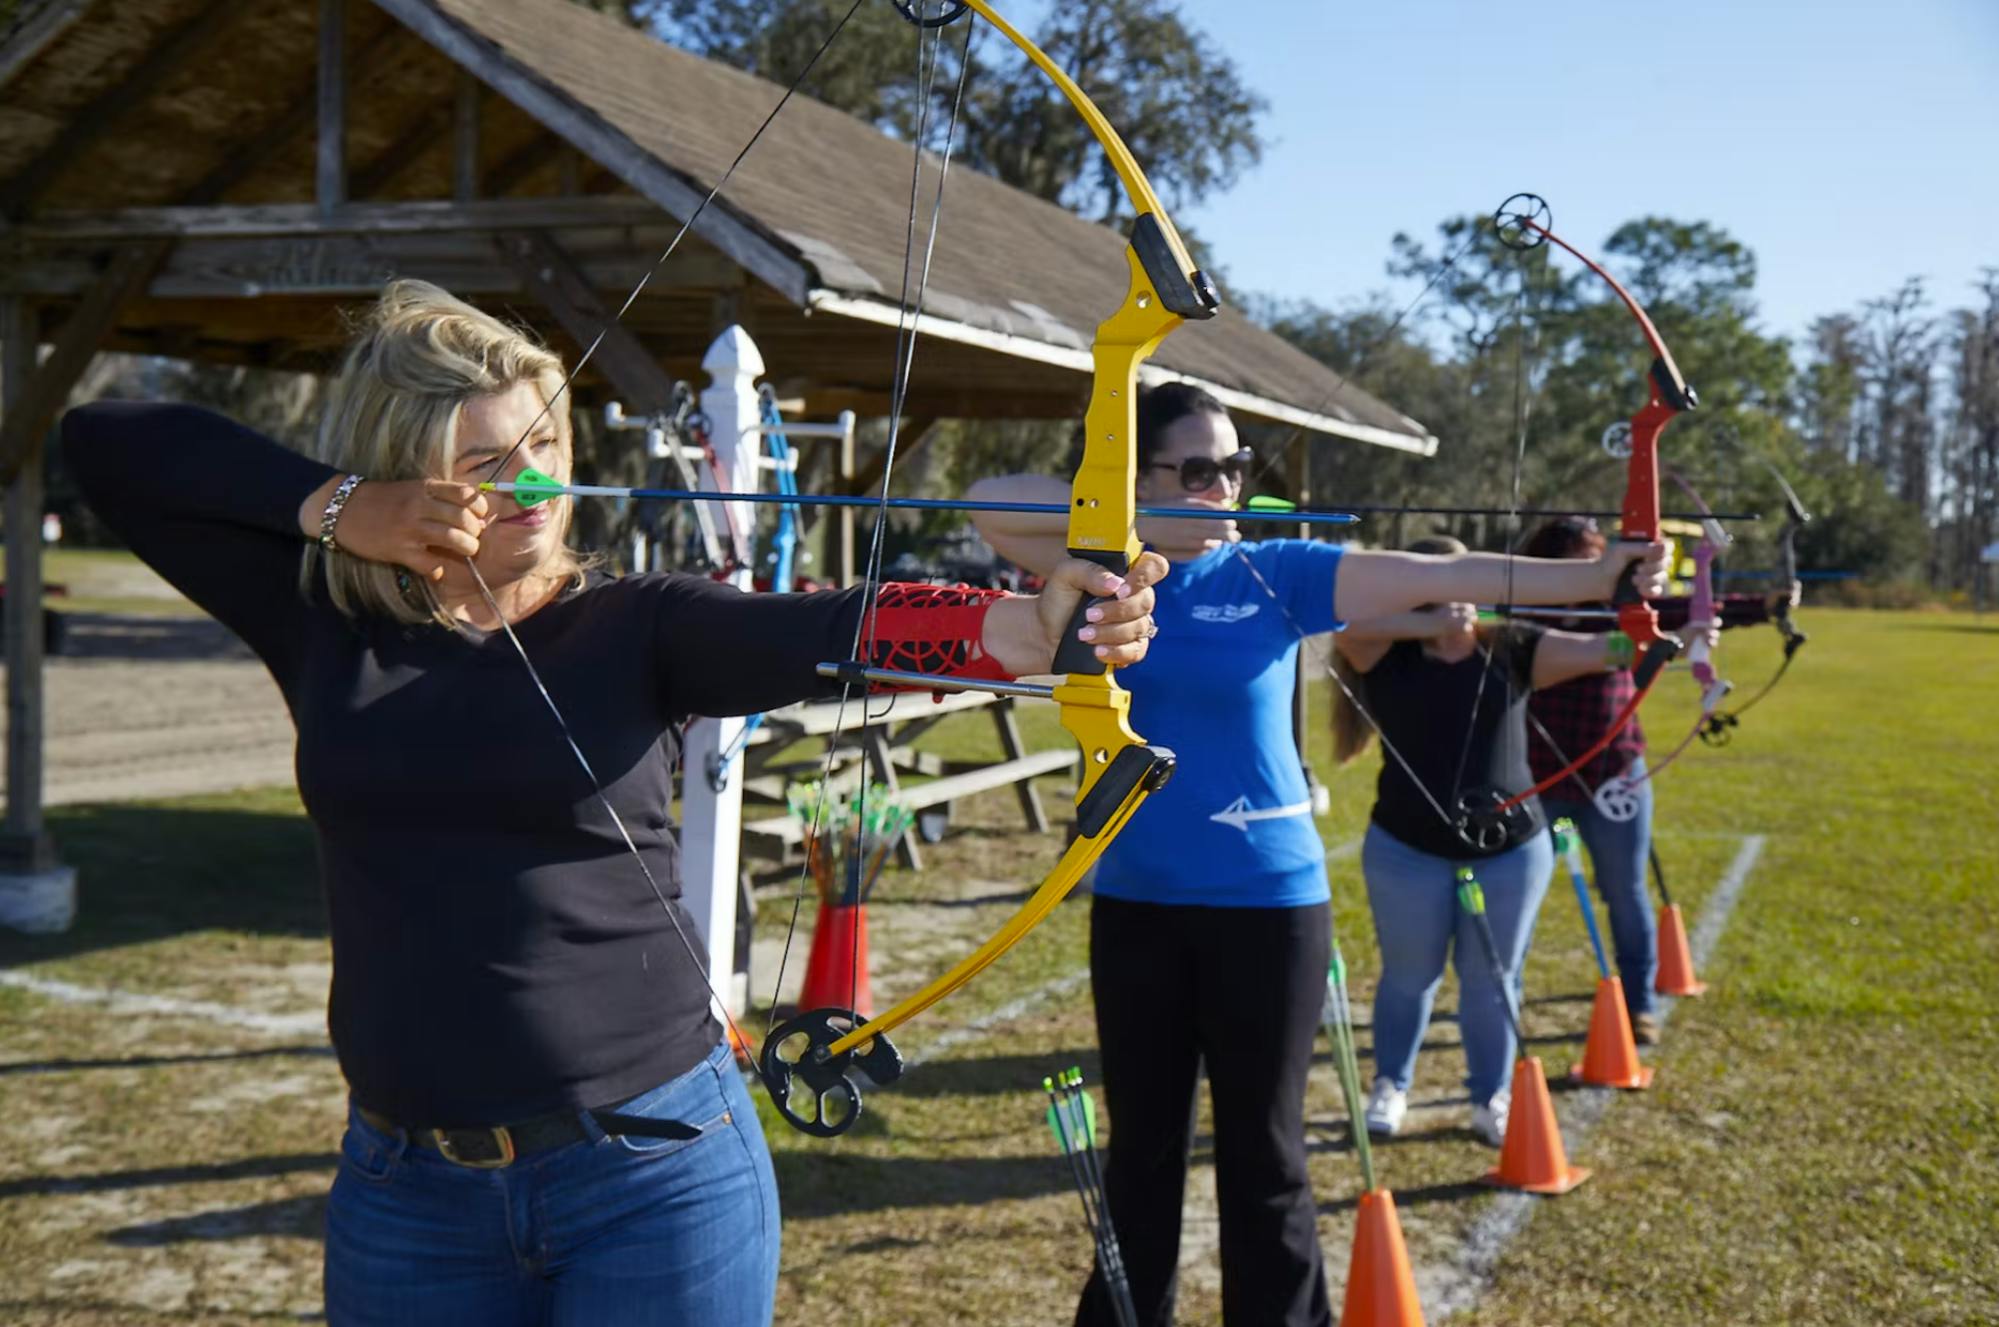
pixel 1676 961
pixel 1532 1157
pixel 837 972
pixel 1381 1290
pixel 1610 1058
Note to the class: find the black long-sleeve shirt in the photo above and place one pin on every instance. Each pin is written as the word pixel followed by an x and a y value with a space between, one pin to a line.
pixel 1461 726
pixel 497 953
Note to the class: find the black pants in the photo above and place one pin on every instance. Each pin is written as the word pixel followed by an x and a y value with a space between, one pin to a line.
pixel 1239 989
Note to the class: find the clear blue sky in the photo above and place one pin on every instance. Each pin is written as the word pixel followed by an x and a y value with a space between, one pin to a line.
pixel 1850 145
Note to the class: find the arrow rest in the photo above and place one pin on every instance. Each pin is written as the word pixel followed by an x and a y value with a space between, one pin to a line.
pixel 795 1054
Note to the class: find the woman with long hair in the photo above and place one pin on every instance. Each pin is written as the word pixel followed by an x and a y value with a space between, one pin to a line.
pixel 545 1122
pixel 1210 926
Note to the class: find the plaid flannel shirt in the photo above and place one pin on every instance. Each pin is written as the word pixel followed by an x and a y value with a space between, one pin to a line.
pixel 1575 714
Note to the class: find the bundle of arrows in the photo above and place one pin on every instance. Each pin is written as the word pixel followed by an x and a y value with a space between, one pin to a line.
pixel 848 842
pixel 1072 1118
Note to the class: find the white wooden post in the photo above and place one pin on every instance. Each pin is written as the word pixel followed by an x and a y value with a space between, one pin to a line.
pixel 711 816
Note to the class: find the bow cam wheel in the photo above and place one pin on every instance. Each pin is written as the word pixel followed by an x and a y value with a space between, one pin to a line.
pixel 1617 800
pixel 1523 222
pixel 812 1087
pixel 1616 440
pixel 931 13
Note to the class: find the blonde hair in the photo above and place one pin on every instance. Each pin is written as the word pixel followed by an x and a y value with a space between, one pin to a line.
pixel 1352 733
pixel 419 355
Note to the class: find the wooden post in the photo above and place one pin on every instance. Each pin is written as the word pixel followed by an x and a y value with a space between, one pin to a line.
pixel 331 167
pixel 845 528
pixel 711 788
pixel 36 892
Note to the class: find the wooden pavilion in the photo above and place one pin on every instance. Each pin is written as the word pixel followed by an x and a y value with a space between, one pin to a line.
pixel 221 181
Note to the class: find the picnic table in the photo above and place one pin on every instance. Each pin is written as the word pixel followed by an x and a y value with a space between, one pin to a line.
pixel 876 740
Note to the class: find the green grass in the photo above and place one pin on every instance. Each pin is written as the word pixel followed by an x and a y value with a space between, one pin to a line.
pixel 1821 1146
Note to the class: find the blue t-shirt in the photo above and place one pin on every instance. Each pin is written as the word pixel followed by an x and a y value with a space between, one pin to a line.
pixel 1233 827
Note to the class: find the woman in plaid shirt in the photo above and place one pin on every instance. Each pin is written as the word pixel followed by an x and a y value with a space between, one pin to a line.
pixel 1570 718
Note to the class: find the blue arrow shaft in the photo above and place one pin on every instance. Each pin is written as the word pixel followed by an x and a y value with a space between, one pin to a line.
pixel 910 504
pixel 1589 919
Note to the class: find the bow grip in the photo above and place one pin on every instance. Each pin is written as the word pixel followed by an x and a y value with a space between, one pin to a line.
pixel 1626 591
pixel 1079 657
pixel 1660 652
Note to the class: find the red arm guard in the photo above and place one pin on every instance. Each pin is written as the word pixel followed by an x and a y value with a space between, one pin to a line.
pixel 932 629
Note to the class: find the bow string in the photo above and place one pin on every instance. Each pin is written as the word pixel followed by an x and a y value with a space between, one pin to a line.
pixel 820 1051
pixel 809 1062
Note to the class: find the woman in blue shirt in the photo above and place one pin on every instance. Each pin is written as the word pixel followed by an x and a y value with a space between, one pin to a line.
pixel 1211 923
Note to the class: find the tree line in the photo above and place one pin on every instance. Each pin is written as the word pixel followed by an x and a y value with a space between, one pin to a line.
pixel 1885 418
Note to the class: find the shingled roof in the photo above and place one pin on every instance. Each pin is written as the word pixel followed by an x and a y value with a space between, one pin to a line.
pixel 1011 271
pixel 816 214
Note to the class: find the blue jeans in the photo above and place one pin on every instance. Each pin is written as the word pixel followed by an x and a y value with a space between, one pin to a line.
pixel 1617 858
pixel 1417 921
pixel 613 1232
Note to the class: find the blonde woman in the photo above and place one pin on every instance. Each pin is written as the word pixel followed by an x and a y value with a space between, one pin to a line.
pixel 545 1124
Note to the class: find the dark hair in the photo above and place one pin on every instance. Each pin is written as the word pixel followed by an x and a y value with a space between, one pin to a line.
pixel 1161 407
pixel 1563 537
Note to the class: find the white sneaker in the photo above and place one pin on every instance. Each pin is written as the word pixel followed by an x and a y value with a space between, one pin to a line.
pixel 1489 1121
pixel 1386 1105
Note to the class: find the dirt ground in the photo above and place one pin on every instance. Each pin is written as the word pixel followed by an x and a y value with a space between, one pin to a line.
pixel 158 706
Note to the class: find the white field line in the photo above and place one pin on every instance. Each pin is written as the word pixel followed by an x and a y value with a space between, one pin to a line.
pixel 166 1006
pixel 1458 1284
pixel 314 1024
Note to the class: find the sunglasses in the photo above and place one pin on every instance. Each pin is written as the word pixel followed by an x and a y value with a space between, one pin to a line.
pixel 1198 474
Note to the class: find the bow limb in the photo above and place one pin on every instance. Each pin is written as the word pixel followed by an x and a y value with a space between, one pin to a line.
pixel 1614 798
pixel 1721 726
pixel 1667 396
pixel 1119 770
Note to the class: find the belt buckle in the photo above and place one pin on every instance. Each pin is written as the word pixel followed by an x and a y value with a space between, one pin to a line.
pixel 502 1139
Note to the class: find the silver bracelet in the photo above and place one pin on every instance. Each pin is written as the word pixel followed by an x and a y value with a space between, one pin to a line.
pixel 334 504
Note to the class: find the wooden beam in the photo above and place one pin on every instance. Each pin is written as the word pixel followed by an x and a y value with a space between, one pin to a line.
pixel 260 267
pixel 522 162
pixel 33 407
pixel 37 34
pixel 330 165
pixel 465 138
pixel 180 48
pixel 769 259
pixel 392 161
pixel 246 160
pixel 554 280
pixel 413 217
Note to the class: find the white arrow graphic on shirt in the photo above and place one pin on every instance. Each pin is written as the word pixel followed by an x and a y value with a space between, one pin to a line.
pixel 1238 813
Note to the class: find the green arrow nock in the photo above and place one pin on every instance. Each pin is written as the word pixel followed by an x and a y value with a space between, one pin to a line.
pixel 531 488
pixel 1469 893
pixel 1565 836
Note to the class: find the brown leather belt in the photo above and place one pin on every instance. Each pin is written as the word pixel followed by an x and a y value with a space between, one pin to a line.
pixel 494 1147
